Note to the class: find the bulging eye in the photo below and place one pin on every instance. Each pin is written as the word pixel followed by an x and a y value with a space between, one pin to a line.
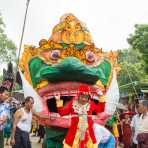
pixel 90 56
pixel 68 27
pixel 55 54
pixel 78 27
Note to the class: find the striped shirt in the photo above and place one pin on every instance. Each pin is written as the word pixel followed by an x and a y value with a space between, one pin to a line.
pixel 3 113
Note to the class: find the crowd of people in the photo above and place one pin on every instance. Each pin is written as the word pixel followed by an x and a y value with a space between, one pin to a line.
pixel 16 120
pixel 125 129
pixel 130 128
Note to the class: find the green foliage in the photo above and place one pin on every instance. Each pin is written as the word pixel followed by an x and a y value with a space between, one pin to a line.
pixel 132 66
pixel 139 40
pixel 7 47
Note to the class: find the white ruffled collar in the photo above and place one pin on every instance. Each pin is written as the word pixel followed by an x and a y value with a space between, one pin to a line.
pixel 79 108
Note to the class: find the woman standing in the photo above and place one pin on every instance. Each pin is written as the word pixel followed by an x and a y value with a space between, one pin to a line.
pixel 127 131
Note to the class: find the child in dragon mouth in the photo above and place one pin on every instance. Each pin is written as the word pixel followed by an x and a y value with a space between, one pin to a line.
pixel 81 108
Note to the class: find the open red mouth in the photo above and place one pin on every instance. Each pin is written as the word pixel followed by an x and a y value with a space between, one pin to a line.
pixel 66 90
pixel 63 88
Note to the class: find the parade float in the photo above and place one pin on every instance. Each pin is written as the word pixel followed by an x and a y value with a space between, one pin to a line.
pixel 59 65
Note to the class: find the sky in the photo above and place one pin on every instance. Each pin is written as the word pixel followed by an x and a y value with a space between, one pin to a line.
pixel 109 21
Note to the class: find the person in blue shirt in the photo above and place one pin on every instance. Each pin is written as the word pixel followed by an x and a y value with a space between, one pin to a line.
pixel 104 137
pixel 3 113
pixel 8 125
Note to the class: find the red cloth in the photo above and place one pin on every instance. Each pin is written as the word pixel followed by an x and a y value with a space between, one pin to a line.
pixel 128 113
pixel 68 109
pixel 127 134
pixel 84 89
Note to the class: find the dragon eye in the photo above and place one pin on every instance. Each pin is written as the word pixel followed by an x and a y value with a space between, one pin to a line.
pixel 68 27
pixel 78 27
pixel 90 56
pixel 55 54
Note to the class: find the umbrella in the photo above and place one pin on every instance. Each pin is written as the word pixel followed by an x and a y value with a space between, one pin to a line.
pixel 130 113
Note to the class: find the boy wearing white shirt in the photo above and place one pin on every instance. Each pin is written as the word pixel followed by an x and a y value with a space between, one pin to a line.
pixel 135 126
pixel 142 136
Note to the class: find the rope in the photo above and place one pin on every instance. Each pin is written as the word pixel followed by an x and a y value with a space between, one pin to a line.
pixel 132 83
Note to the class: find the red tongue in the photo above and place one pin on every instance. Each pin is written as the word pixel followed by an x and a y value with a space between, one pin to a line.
pixel 51 88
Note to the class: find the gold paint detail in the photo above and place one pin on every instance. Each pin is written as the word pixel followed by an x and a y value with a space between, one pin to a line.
pixel 42 84
pixel 100 85
pixel 102 98
pixel 71 30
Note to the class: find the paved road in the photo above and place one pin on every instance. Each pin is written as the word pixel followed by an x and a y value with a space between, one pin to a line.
pixel 34 141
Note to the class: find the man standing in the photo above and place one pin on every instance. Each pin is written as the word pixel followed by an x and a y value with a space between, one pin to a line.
pixel 135 126
pixel 142 137
pixel 3 114
pixel 22 124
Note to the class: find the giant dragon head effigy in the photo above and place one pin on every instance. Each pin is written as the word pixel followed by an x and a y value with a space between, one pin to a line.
pixel 63 62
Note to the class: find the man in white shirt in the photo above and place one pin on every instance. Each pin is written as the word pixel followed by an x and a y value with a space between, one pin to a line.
pixel 22 124
pixel 135 126
pixel 142 137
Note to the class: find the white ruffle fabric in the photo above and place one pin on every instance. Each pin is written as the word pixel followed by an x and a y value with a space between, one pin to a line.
pixel 112 96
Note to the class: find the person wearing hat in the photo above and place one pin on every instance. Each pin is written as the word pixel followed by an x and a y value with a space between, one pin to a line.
pixel 127 130
pixel 81 108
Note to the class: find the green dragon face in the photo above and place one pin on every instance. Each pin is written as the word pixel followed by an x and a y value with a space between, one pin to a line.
pixel 69 69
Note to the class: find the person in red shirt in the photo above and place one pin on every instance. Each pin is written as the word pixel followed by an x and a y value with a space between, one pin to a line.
pixel 81 108
pixel 127 130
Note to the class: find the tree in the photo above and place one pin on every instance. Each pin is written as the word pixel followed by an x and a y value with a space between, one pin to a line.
pixel 132 70
pixel 7 47
pixel 139 40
